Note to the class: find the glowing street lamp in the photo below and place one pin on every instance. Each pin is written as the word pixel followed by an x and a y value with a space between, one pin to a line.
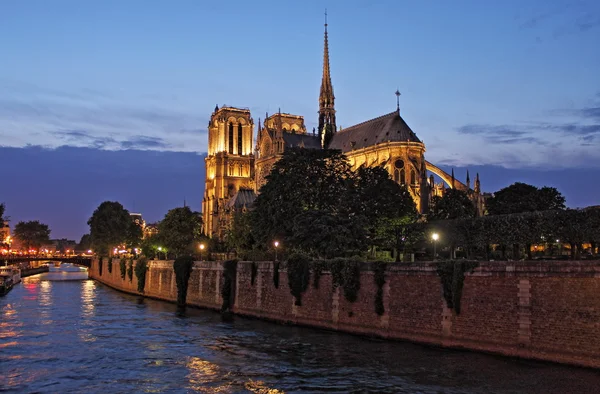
pixel 201 250
pixel 276 244
pixel 159 250
pixel 435 237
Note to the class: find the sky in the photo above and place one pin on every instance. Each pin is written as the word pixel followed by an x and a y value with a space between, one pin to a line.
pixel 510 89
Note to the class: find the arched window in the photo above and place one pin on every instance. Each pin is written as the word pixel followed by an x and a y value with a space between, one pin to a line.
pixel 240 145
pixel 402 177
pixel 231 138
pixel 413 177
pixel 396 176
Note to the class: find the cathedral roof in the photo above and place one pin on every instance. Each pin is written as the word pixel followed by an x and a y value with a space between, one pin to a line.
pixel 387 128
pixel 301 140
pixel 244 198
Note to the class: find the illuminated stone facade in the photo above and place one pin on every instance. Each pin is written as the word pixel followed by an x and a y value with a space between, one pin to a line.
pixel 229 165
pixel 387 140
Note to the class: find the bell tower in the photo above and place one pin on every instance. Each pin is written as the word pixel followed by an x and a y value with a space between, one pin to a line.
pixel 229 163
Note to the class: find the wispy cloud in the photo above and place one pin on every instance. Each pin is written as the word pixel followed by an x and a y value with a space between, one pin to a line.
pixel 90 118
pixel 567 17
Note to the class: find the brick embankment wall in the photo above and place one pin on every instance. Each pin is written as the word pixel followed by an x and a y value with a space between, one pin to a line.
pixel 540 310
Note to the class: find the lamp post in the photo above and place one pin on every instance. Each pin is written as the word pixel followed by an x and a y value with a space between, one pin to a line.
pixel 201 250
pixel 159 250
pixel 434 237
pixel 276 244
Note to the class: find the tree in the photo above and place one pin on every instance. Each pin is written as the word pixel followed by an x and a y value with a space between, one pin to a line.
pixel 85 243
pixel 454 204
pixel 180 229
pixel 110 226
pixel 32 233
pixel 310 217
pixel 521 197
pixel 240 237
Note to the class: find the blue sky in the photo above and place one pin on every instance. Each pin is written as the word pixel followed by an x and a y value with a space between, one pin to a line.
pixel 511 84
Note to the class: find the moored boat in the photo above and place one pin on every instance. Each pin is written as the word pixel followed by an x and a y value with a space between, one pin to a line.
pixel 6 284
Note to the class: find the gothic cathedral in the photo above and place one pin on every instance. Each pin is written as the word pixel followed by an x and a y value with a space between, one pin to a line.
pixel 235 174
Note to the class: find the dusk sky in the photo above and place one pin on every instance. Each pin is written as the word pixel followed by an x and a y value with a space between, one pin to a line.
pixel 503 88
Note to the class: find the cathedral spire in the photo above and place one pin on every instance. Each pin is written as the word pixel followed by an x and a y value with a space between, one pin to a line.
pixel 452 179
pixel 477 184
pixel 468 180
pixel 327 125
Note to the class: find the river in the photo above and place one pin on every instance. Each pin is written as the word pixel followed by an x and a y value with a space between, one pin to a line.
pixel 63 333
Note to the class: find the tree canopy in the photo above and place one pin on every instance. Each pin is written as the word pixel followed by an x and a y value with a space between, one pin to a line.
pixel 315 203
pixel 179 230
pixel 32 233
pixel 111 226
pixel 521 197
pixel 454 204
pixel 85 243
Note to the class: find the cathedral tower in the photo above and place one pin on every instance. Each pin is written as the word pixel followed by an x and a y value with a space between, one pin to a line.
pixel 229 164
pixel 327 125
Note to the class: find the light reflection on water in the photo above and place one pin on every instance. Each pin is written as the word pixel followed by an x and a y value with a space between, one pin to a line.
pixel 100 340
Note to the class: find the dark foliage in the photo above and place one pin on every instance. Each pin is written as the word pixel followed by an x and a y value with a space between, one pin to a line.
pixel 346 273
pixel 454 204
pixel 100 262
pixel 130 270
pixel 452 276
pixel 182 266
pixel 253 272
pixel 298 273
pixel 521 197
pixel 379 278
pixel 141 267
pixel 180 230
pixel 109 265
pixel 276 274
pixel 123 268
pixel 228 286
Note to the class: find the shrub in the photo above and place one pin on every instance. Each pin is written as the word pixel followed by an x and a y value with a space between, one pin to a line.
pixel 123 268
pixel 379 278
pixel 130 270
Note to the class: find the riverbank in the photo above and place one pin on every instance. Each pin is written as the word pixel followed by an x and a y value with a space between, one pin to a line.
pixel 536 310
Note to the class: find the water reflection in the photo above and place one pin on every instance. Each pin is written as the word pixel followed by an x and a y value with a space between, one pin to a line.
pixel 100 340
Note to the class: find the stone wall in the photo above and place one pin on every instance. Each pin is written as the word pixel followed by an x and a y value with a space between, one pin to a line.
pixel 540 310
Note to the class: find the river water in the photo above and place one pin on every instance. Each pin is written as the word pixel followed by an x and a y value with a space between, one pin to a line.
pixel 62 333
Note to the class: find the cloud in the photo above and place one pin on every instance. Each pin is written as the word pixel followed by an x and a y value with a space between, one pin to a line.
pixel 90 118
pixel 592 113
pixel 563 19
pixel 143 142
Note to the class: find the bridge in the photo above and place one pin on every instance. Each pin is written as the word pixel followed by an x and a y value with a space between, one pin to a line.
pixel 77 260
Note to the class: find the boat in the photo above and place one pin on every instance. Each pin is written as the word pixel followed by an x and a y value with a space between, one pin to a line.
pixel 9 276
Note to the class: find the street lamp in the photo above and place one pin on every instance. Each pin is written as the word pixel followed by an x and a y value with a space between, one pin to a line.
pixel 435 237
pixel 159 250
pixel 276 244
pixel 201 250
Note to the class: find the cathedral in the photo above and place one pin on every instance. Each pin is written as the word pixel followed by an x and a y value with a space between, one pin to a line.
pixel 235 171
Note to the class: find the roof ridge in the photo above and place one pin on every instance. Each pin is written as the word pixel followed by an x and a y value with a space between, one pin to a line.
pixel 367 121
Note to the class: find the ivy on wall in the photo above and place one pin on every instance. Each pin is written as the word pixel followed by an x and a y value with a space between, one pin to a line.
pixel 123 268
pixel 130 270
pixel 141 267
pixel 317 268
pixel 379 268
pixel 346 273
pixel 100 261
pixel 183 269
pixel 452 276
pixel 253 272
pixel 298 272
pixel 228 286
pixel 110 265
pixel 276 274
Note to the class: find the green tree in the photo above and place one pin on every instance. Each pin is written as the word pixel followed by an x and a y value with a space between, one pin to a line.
pixel 307 202
pixel 240 237
pixel 150 244
pixel 85 243
pixel 180 229
pixel 110 226
pixel 521 197
pixel 454 204
pixel 32 233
